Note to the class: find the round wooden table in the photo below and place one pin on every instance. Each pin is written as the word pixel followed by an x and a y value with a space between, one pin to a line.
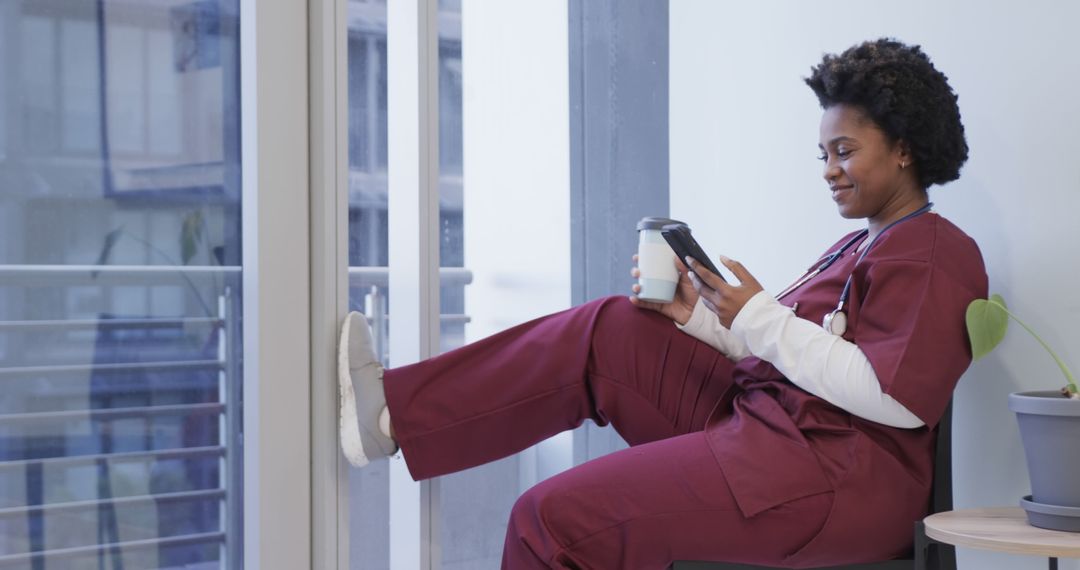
pixel 1001 528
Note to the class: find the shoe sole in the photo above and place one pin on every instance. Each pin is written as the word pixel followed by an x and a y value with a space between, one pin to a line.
pixel 348 423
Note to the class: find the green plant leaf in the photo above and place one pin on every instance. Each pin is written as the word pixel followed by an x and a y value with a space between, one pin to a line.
pixel 190 235
pixel 987 321
pixel 106 249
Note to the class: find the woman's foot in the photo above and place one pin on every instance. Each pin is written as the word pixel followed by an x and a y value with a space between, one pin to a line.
pixel 363 402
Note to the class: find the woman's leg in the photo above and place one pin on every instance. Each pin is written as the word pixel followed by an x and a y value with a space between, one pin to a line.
pixel 648 506
pixel 605 360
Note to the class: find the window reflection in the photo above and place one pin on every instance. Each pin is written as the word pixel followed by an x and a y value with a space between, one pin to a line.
pixel 120 441
pixel 368 231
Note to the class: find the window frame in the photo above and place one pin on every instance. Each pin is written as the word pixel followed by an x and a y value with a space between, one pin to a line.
pixel 413 171
pixel 276 329
pixel 328 112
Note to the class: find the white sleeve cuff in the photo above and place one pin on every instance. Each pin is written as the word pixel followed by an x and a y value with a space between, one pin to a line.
pixel 705 326
pixel 821 363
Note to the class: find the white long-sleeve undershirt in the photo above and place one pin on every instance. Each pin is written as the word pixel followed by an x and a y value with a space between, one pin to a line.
pixel 813 359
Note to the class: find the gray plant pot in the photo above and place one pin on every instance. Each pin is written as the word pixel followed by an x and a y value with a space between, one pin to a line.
pixel 1050 431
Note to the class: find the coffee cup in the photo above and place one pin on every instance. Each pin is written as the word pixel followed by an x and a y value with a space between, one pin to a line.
pixel 656 262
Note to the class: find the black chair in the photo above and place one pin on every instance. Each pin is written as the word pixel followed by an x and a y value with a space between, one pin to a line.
pixel 927 554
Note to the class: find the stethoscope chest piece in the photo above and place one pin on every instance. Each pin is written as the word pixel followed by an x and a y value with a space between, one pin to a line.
pixel 835 322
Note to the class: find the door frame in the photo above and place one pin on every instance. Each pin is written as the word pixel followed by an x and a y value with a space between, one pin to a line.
pixel 276 327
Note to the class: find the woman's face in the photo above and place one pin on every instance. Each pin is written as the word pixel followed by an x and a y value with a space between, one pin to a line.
pixel 862 167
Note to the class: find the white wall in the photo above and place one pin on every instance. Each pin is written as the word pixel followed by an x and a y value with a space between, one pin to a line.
pixel 743 173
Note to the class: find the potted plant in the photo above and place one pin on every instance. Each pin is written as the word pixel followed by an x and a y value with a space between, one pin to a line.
pixel 1049 425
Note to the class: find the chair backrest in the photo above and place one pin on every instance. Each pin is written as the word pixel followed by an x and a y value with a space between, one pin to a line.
pixel 941 493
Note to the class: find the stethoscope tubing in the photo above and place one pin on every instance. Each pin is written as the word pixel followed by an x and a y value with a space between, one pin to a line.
pixel 827 261
pixel 822 264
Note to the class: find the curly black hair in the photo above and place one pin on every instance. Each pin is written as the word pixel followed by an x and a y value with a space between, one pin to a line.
pixel 901 91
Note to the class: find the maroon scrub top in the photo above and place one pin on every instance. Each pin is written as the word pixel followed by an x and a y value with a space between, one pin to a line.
pixel 777 442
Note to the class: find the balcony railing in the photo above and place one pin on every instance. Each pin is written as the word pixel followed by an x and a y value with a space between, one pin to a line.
pixel 135 374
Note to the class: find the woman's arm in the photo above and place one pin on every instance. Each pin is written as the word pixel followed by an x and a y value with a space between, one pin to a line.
pixel 705 326
pixel 817 361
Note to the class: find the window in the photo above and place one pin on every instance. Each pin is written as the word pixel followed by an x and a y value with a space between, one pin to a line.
pixel 480 292
pixel 120 291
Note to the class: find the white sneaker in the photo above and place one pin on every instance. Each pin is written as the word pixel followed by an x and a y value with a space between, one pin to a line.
pixel 360 383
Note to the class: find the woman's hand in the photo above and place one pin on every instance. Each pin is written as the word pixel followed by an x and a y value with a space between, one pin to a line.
pixel 681 307
pixel 720 297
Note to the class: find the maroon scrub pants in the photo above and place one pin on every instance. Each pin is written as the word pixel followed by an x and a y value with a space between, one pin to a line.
pixel 663 499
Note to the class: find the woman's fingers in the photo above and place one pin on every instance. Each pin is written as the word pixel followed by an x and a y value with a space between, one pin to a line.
pixel 739 271
pixel 710 297
pixel 637 302
pixel 699 285
pixel 710 304
pixel 722 298
pixel 636 288
pixel 680 265
pixel 708 277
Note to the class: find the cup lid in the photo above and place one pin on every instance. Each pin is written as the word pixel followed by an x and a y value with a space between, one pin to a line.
pixel 654 223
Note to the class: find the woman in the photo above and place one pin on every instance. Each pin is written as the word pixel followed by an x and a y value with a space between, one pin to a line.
pixel 784 430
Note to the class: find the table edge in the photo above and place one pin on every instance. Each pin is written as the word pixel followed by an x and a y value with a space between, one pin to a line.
pixel 970 541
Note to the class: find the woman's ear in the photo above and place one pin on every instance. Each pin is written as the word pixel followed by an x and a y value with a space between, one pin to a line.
pixel 903 153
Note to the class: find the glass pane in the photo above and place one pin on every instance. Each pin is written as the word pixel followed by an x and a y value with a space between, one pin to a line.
pixel 480 292
pixel 120 345
pixel 368 235
pixel 504 204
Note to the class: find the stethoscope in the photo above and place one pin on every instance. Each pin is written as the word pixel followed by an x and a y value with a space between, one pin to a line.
pixel 836 321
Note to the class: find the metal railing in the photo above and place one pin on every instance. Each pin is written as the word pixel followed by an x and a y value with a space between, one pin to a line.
pixel 217 462
pixel 26 559
pixel 223 413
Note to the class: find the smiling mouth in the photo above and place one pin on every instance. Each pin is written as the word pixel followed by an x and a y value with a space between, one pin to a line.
pixel 839 191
